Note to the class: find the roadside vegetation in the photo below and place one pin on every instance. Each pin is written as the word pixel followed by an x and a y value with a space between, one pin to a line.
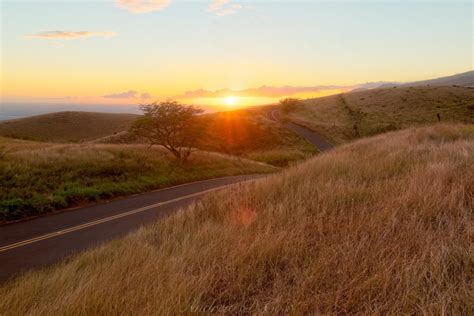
pixel 379 226
pixel 36 178
pixel 289 105
pixel 345 117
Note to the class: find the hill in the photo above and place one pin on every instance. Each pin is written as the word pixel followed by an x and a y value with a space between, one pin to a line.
pixel 465 79
pixel 243 133
pixel 378 226
pixel 36 178
pixel 344 117
pixel 67 126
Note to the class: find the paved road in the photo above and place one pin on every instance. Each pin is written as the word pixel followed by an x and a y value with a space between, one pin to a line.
pixel 45 240
pixel 316 140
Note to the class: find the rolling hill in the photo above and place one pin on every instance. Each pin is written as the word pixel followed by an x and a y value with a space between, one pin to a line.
pixel 393 213
pixel 344 117
pixel 242 133
pixel 67 126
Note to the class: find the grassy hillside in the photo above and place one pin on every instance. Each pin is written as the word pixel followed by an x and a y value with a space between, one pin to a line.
pixel 345 117
pixel 67 126
pixel 379 226
pixel 250 134
pixel 245 133
pixel 36 178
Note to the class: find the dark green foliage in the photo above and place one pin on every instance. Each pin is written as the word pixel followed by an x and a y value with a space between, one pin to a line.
pixel 289 105
pixel 173 125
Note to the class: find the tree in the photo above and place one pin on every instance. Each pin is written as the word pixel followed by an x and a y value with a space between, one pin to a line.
pixel 290 104
pixel 173 125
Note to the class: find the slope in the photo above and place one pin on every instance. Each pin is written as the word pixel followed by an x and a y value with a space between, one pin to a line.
pixel 344 117
pixel 378 226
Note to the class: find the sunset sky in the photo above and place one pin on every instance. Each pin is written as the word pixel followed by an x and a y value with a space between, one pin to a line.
pixel 223 52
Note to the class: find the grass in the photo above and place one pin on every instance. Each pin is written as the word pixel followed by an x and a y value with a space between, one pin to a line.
pixel 282 157
pixel 243 133
pixel 379 226
pixel 36 178
pixel 250 134
pixel 345 117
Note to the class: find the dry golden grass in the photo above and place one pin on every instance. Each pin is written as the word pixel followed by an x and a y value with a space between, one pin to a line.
pixel 381 110
pixel 380 226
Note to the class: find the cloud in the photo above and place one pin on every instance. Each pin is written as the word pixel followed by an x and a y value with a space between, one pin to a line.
pixel 69 35
pixel 130 94
pixel 263 91
pixel 223 7
pixel 143 6
pixel 145 95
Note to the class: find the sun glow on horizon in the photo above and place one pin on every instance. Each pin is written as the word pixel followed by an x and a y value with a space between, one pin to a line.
pixel 230 101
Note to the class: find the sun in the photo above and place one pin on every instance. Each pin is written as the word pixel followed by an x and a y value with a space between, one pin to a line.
pixel 230 101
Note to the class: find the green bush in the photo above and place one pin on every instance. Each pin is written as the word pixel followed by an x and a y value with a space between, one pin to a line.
pixel 289 105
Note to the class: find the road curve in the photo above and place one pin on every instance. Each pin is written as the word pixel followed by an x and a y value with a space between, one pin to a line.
pixel 47 239
pixel 316 140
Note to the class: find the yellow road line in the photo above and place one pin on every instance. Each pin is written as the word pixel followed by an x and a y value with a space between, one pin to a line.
pixel 103 220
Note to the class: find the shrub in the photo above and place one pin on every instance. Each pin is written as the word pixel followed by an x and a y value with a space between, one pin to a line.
pixel 290 105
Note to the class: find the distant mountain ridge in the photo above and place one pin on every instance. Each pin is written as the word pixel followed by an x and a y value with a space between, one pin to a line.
pixel 465 79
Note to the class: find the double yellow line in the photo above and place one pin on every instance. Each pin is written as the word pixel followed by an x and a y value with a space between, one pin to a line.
pixel 103 220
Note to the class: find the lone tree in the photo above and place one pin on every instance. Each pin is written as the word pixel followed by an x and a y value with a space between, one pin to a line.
pixel 173 125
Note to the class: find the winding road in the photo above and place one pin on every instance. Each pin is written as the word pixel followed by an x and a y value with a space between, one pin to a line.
pixel 313 138
pixel 45 240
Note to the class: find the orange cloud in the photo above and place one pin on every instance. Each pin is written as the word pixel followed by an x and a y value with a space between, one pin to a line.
pixel 69 35
pixel 263 91
pixel 130 94
pixel 223 7
pixel 143 6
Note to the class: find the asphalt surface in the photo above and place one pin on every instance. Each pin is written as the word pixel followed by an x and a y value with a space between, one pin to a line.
pixel 45 240
pixel 316 140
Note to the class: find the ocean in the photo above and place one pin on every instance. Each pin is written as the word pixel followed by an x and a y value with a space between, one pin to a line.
pixel 10 111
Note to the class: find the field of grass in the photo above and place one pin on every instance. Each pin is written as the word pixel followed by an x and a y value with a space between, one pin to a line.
pixel 379 226
pixel 66 127
pixel 344 117
pixel 243 133
pixel 36 178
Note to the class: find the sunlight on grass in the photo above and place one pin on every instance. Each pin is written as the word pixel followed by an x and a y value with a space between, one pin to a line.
pixel 379 226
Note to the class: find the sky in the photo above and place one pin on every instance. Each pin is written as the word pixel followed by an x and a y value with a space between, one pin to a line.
pixel 223 52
